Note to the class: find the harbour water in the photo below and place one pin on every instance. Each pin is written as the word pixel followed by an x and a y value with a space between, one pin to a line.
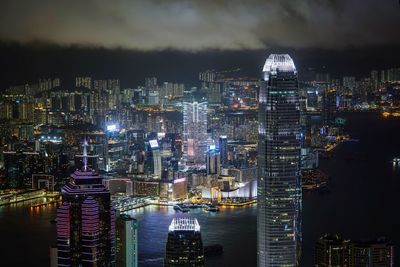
pixel 362 202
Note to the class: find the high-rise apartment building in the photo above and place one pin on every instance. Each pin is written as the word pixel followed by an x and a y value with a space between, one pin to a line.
pixel 184 245
pixel 208 76
pixel 83 82
pixel 195 132
pixel 375 79
pixel 85 221
pixel 279 185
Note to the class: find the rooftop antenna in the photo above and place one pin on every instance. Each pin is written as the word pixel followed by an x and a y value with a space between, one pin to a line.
pixel 85 156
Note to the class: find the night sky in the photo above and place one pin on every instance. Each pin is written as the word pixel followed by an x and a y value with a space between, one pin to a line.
pixel 174 40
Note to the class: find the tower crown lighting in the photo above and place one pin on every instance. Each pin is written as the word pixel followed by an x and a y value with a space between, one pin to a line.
pixel 278 62
pixel 184 224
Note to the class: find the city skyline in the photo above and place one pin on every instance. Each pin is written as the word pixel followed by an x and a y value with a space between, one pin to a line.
pixel 136 43
pixel 199 133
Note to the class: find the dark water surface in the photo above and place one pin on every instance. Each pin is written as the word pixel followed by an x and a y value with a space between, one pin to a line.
pixel 363 202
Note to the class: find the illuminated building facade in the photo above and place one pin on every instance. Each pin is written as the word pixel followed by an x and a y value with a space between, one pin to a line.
pixel 184 245
pixel 223 148
pixel 126 241
pixel 179 188
pixel 195 131
pixel 332 251
pixel 85 221
pixel 213 160
pixel 19 166
pixel 279 184
pixel 153 159
pixel 371 253
pixel 119 186
pixel 146 187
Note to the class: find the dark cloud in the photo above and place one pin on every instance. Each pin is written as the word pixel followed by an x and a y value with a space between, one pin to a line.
pixel 200 25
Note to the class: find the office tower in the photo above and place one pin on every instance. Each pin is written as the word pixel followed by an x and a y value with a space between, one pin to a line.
pixel 19 167
pixel 329 105
pixel 279 185
pixel 332 251
pixel 372 253
pixel 126 241
pixel 184 244
pixel 153 159
pixel 213 160
pixel 223 149
pixel 85 221
pixel 195 131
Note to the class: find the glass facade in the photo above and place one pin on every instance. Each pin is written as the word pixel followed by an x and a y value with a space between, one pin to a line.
pixel 279 183
pixel 127 241
pixel 86 221
pixel 184 245
pixel 195 132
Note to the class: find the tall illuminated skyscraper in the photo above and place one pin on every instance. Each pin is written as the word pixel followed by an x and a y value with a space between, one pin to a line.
pixel 85 221
pixel 195 132
pixel 279 188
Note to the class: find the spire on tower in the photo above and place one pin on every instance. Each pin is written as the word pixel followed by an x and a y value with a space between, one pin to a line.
pixel 85 156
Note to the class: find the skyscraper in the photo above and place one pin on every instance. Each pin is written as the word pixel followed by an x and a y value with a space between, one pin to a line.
pixel 126 241
pixel 85 221
pixel 184 244
pixel 332 251
pixel 153 159
pixel 279 188
pixel 195 131
pixel 223 148
pixel 213 160
pixel 372 253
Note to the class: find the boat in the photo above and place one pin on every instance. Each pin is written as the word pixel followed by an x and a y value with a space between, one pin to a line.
pixel 184 209
pixel 181 207
pixel 212 208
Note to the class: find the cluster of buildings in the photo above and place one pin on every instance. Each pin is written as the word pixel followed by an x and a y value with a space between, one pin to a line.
pixel 91 232
pixel 333 250
pixel 230 140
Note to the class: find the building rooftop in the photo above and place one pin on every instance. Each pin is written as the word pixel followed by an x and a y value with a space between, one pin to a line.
pixel 184 224
pixel 278 62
